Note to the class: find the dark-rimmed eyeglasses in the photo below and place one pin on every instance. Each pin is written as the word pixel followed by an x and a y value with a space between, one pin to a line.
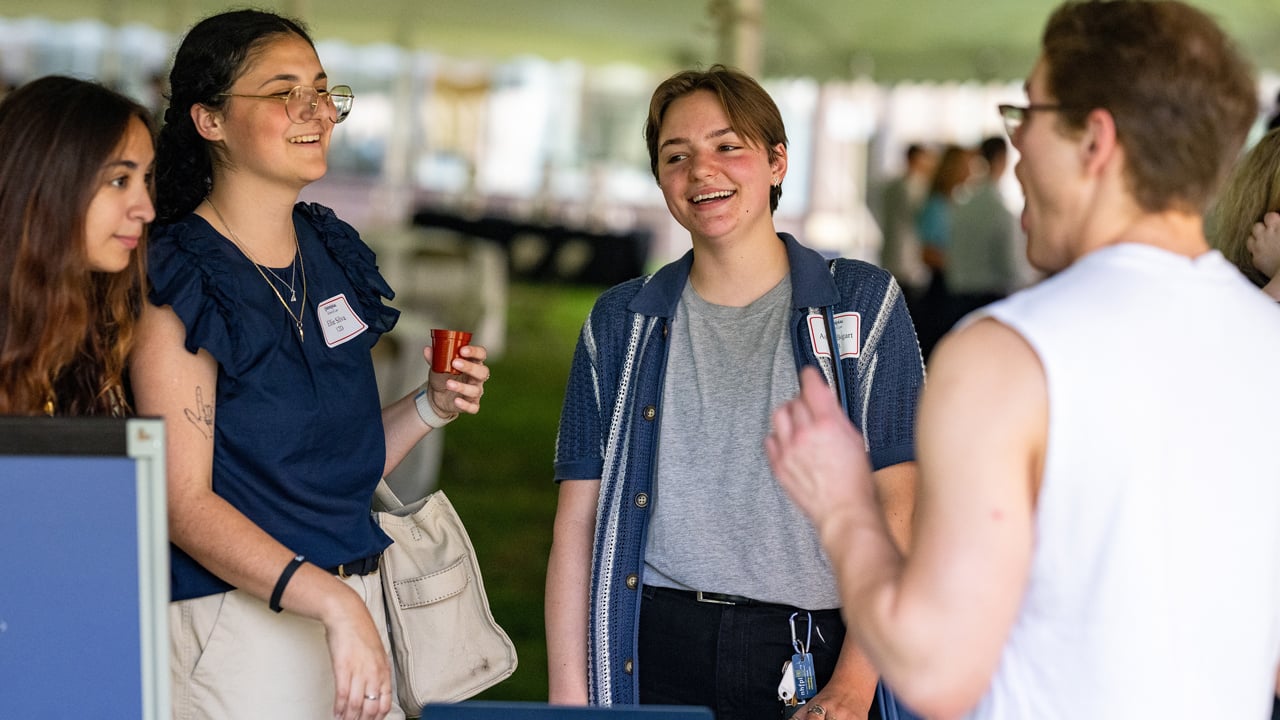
pixel 302 102
pixel 1015 115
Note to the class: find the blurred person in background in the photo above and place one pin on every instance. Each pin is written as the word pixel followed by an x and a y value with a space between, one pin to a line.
pixel 679 571
pixel 935 224
pixel 1253 191
pixel 75 201
pixel 982 257
pixel 900 204
pixel 1245 209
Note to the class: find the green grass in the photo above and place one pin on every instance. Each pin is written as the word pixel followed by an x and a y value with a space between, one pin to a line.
pixel 497 470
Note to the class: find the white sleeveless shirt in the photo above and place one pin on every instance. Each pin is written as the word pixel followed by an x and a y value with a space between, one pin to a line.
pixel 1154 589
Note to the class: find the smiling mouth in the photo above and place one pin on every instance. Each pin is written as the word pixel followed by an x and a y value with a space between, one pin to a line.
pixel 303 139
pixel 704 197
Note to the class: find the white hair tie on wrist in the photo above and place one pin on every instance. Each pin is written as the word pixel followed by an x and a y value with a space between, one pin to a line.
pixel 427 411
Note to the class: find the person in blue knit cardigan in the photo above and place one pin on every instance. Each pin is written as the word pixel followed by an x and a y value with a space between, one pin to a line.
pixel 680 573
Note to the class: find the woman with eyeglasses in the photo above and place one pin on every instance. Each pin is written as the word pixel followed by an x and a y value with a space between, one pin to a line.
pixel 255 349
pixel 75 200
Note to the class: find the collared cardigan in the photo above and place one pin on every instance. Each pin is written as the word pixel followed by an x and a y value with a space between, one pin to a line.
pixel 609 424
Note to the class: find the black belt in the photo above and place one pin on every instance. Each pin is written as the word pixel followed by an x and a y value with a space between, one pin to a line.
pixel 363 566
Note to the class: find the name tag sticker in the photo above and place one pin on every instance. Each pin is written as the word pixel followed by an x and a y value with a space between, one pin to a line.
pixel 339 322
pixel 848 333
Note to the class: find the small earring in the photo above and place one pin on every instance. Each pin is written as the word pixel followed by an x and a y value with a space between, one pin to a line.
pixel 776 181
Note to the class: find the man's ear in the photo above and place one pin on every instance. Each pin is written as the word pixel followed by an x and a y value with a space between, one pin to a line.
pixel 1098 142
pixel 208 122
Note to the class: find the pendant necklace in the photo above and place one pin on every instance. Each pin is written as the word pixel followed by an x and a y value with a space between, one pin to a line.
pixel 298 259
pixel 293 275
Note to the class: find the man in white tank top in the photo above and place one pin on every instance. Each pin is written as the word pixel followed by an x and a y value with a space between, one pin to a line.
pixel 1097 528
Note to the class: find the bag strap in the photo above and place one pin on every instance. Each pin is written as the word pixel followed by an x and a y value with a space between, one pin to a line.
pixel 837 367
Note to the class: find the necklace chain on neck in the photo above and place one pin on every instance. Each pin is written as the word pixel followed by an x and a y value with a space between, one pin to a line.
pixel 235 240
pixel 293 276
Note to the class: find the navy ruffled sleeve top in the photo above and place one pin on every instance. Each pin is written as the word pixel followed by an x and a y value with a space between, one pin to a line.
pixel 298 441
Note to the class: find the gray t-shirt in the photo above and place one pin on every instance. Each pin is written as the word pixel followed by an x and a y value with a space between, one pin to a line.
pixel 721 523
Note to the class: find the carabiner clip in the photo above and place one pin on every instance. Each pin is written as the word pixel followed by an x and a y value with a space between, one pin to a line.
pixel 795 640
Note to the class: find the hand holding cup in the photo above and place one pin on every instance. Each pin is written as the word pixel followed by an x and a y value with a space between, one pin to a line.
pixel 456 389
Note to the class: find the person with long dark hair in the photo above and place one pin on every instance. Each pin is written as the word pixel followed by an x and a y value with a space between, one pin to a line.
pixel 75 200
pixel 256 349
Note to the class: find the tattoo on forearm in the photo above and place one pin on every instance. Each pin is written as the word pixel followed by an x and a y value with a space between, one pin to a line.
pixel 202 416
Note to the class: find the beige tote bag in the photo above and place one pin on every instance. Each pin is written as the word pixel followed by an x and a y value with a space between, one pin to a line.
pixel 445 644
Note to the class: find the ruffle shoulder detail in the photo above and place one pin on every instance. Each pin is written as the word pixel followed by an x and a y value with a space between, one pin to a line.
pixel 188 270
pixel 359 263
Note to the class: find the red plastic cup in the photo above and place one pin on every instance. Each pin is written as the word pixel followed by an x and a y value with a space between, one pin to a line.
pixel 444 348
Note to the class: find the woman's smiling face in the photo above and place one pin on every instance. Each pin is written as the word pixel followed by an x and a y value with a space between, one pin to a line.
pixel 259 137
pixel 715 182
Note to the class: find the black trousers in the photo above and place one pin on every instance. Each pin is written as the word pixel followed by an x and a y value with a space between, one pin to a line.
pixel 725 657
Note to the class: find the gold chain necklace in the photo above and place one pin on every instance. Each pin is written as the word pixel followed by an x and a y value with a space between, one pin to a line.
pixel 235 240
pixel 293 276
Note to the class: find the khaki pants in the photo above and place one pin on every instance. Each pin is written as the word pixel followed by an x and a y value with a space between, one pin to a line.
pixel 234 659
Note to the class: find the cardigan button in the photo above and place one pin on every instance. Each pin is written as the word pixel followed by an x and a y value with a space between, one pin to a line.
pixel 627 666
pixel 633 581
pixel 650 412
pixel 642 500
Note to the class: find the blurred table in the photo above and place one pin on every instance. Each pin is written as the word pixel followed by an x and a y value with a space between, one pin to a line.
pixel 549 251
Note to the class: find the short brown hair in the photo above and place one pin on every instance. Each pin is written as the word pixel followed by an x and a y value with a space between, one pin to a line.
pixel 752 113
pixel 1182 97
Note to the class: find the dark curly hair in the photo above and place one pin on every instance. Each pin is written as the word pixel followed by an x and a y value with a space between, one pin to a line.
pixel 210 59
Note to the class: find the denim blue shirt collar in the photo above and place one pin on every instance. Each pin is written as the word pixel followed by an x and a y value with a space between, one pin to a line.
pixel 811 282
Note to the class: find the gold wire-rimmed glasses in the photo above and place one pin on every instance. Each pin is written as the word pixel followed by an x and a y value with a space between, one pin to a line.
pixel 302 102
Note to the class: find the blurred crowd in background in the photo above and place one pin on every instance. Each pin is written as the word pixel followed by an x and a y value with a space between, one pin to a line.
pixel 558 142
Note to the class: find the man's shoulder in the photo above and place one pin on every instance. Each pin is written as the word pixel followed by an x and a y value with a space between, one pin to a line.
pixel 991 356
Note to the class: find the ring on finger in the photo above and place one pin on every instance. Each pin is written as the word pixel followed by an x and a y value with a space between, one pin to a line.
pixel 816 709
pixel 372 697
